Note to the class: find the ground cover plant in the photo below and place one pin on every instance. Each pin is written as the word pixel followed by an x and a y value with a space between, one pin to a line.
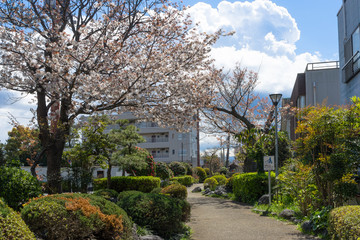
pixel 76 216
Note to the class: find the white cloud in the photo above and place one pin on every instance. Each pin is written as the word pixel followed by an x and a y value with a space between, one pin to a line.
pixel 264 41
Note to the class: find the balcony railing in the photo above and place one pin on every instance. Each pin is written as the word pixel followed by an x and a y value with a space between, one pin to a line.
pixel 146 125
pixel 351 68
pixel 156 139
pixel 160 155
pixel 322 65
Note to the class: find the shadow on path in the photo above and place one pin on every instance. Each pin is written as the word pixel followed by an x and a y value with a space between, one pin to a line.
pixel 220 219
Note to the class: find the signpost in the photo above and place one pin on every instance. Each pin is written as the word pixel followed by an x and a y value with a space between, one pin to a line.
pixel 269 166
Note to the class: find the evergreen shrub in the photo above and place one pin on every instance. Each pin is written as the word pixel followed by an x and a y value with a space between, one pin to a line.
pixel 211 183
pixel 184 180
pixel 163 171
pixel 221 179
pixel 17 186
pixel 120 184
pixel 201 173
pixel 12 226
pixel 344 222
pixel 108 194
pixel 178 168
pixel 249 187
pixel 176 191
pixel 76 216
pixel 159 213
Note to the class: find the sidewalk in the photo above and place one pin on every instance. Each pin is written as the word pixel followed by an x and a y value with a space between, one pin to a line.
pixel 219 219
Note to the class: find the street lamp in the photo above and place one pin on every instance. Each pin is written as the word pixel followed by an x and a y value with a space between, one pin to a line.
pixel 275 98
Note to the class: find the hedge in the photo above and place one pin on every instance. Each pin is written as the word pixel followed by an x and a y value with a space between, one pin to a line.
pixel 249 187
pixel 119 184
pixel 344 222
pixel 201 173
pixel 211 183
pixel 12 226
pixel 221 179
pixel 184 180
pixel 175 191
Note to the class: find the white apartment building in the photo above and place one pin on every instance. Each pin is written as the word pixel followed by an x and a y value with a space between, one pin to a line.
pixel 165 144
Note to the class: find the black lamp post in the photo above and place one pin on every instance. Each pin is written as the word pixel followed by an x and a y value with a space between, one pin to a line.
pixel 275 98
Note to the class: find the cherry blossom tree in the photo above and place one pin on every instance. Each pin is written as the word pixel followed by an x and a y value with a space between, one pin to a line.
pixel 80 57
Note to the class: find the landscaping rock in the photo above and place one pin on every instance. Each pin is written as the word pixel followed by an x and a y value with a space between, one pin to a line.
pixel 307 226
pixel 134 232
pixel 287 214
pixel 151 237
pixel 220 191
pixel 208 190
pixel 197 189
pixel 264 199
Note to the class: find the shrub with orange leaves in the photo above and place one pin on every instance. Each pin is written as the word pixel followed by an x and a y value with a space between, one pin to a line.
pixel 76 216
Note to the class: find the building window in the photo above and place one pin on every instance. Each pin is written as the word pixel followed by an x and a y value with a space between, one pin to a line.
pixel 182 152
pixel 352 56
pixel 100 174
pixel 173 151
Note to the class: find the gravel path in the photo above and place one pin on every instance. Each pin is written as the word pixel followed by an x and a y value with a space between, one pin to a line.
pixel 219 219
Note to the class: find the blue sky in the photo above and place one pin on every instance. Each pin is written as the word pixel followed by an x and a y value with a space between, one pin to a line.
pixel 277 38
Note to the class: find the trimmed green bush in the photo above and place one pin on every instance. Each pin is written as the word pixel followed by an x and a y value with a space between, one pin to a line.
pixel 230 182
pixel 249 187
pixel 76 216
pixel 344 222
pixel 201 173
pixel 120 184
pixel 127 193
pixel 17 186
pixel 12 226
pixel 176 191
pixel 162 214
pixel 163 171
pixel 207 170
pixel 221 179
pixel 188 168
pixel 106 193
pixel 224 171
pixel 184 180
pixel 178 168
pixel 211 183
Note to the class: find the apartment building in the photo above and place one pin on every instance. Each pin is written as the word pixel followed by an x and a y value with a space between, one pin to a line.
pixel 349 49
pixel 165 144
pixel 319 84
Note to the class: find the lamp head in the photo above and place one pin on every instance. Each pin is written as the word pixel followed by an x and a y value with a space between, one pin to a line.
pixel 275 98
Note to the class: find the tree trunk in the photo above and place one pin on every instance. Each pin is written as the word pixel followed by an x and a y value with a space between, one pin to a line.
pixel 109 175
pixel 227 151
pixel 54 156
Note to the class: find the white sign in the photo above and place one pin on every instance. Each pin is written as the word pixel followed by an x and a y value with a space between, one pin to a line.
pixel 269 163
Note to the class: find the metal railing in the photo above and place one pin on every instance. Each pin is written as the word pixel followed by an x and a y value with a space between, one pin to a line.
pixel 156 139
pixel 322 65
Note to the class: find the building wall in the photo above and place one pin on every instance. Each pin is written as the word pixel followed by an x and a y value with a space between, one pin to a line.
pixel 165 144
pixel 349 43
pixel 323 86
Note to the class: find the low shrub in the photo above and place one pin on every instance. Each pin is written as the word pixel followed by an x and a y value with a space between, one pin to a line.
pixel 207 171
pixel 249 187
pixel 156 190
pixel 211 183
pixel 224 171
pixel 201 173
pixel 120 184
pixel 344 222
pixel 162 214
pixel 108 194
pixel 163 171
pixel 184 180
pixel 76 216
pixel 230 182
pixel 188 168
pixel 221 179
pixel 12 226
pixel 17 186
pixel 127 193
pixel 178 168
pixel 176 191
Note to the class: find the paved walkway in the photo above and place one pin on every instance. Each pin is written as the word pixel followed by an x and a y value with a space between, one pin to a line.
pixel 219 219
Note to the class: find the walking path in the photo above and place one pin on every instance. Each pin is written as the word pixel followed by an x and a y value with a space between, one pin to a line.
pixel 220 219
